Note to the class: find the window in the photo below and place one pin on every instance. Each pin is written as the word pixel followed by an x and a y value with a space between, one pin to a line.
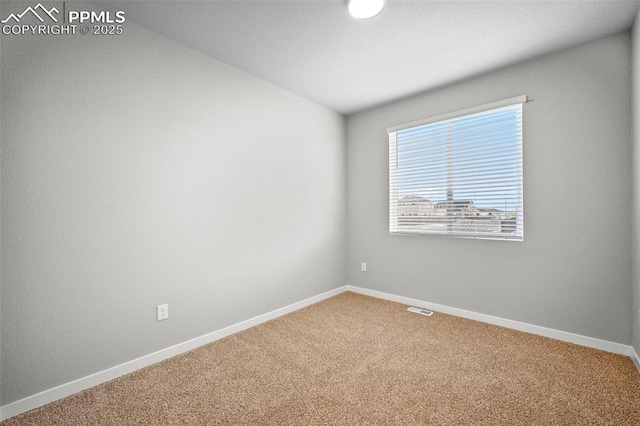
pixel 459 174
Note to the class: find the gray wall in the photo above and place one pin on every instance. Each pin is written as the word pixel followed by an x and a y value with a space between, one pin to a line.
pixel 137 172
pixel 1 133
pixel 573 271
pixel 635 314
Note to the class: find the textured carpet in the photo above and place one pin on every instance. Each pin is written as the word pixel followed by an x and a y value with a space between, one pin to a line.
pixel 354 359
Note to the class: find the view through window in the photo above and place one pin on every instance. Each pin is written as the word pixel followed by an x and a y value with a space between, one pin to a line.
pixel 460 176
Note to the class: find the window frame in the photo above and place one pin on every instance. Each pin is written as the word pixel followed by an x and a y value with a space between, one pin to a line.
pixel 506 221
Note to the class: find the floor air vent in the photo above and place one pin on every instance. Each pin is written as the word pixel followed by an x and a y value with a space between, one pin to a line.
pixel 421 311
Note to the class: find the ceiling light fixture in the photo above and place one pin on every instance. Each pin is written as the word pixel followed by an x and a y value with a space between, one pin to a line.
pixel 365 9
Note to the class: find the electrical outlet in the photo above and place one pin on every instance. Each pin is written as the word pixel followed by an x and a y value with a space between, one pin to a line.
pixel 363 267
pixel 162 312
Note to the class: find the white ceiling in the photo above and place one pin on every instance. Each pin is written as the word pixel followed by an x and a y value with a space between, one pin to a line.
pixel 314 49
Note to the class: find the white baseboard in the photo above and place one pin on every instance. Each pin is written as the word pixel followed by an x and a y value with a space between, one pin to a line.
pixel 67 389
pixel 590 342
pixel 635 358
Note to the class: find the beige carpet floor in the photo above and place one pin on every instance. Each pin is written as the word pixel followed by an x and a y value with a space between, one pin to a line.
pixel 354 359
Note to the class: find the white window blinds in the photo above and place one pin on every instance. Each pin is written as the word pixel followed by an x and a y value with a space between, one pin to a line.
pixel 459 174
